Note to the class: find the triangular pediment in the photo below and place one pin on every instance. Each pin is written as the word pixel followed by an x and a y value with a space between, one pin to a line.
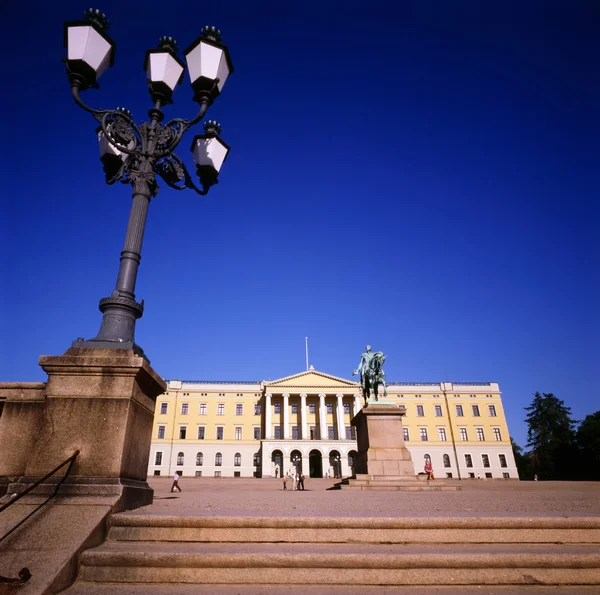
pixel 311 379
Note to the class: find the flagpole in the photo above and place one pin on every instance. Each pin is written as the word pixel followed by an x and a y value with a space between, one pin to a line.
pixel 306 342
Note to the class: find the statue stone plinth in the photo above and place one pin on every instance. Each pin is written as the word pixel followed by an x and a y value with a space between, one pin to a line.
pixel 381 449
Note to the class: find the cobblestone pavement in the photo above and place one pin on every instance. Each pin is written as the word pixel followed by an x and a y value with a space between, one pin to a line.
pixel 266 497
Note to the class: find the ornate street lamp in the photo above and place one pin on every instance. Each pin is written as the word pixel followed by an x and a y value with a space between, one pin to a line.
pixel 135 154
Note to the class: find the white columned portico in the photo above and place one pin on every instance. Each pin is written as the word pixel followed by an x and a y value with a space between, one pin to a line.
pixel 267 416
pixel 286 416
pixel 322 418
pixel 339 410
pixel 303 412
pixel 357 406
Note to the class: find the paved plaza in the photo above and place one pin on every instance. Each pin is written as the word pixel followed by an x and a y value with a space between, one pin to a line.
pixel 266 497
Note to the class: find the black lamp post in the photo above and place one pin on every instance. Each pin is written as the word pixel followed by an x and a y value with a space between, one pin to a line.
pixel 135 154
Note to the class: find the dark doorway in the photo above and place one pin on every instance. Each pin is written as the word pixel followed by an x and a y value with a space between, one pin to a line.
pixel 277 461
pixel 351 459
pixel 335 462
pixel 315 463
pixel 296 461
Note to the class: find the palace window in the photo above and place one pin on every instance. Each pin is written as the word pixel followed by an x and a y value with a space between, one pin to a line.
pixel 277 432
pixel 158 458
pixel 198 473
pixel 502 459
pixel 294 407
pixel 182 432
pixel 446 461
pixel 330 433
pixel 238 433
pixel 237 460
pixel 480 435
pixel 161 432
pixel 438 411
pixel 506 475
pixel 497 435
pixel 463 434
pixel 201 431
pixel 295 432
pixel 180 458
pixel 347 408
pixel 442 434
pixel 420 411
pixel 221 409
pixel 239 409
pixel 163 408
pixel 486 460
pixel 459 411
pixel 276 407
pixel 423 432
pixel 220 433
pixel 468 461
pixel 405 433
pixel 492 410
pixel 329 407
pixel 256 460
pixel 312 407
pixel 217 474
pixel 184 408
pixel 218 460
pixel 257 408
pixel 475 410
pixel 256 433
pixel 350 432
pixel 313 432
pixel 202 408
pixel 199 459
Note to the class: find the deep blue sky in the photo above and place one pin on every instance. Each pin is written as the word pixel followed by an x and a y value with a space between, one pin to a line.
pixel 422 176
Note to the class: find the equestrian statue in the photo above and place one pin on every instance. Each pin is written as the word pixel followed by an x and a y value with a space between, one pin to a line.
pixel 371 373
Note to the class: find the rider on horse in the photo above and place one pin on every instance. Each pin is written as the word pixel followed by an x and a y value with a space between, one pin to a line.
pixel 371 373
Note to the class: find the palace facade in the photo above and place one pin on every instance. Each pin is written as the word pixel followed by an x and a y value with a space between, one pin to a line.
pixel 270 428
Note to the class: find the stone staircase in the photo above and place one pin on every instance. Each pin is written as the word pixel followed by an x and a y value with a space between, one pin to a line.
pixel 155 549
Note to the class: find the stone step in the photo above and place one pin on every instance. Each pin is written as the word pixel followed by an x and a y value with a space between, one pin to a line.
pixel 339 564
pixel 132 527
pixel 87 588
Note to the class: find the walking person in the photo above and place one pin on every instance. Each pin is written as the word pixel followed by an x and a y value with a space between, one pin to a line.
pixel 302 481
pixel 285 482
pixel 176 482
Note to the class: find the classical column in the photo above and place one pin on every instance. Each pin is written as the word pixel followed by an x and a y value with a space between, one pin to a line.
pixel 357 406
pixel 286 416
pixel 267 416
pixel 322 417
pixel 303 412
pixel 339 410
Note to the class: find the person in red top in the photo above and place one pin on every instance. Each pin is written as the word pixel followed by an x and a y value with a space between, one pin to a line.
pixel 429 469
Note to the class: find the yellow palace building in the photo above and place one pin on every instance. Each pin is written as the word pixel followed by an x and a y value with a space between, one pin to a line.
pixel 302 422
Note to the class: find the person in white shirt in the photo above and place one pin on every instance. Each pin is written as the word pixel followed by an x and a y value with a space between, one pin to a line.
pixel 176 482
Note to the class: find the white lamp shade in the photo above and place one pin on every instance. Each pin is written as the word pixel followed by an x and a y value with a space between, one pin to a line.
pixel 209 152
pixel 208 61
pixel 108 149
pixel 162 67
pixel 85 43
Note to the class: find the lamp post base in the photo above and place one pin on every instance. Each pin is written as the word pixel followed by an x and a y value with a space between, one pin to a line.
pixel 103 344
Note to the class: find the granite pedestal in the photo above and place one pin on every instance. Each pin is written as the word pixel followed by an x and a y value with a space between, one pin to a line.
pixel 383 461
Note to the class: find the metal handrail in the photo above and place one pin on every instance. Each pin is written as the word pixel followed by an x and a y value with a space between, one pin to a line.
pixel 24 574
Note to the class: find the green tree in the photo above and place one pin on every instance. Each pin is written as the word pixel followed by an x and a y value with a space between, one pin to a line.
pixel 551 437
pixel 523 461
pixel 588 440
